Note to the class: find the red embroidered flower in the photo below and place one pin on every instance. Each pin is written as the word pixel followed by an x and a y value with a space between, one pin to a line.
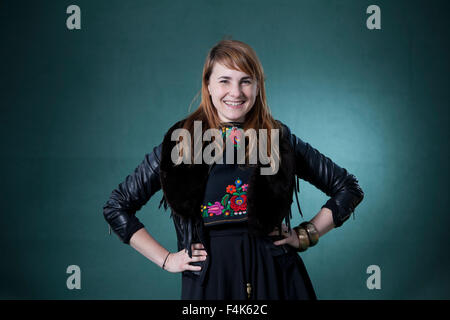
pixel 231 189
pixel 238 203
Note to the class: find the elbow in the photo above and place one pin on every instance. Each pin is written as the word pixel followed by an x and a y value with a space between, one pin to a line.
pixel 123 223
pixel 361 195
pixel 109 210
pixel 357 191
pixel 116 203
pixel 115 217
pixel 345 200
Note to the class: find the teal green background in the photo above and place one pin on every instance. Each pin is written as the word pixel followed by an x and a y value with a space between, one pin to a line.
pixel 81 108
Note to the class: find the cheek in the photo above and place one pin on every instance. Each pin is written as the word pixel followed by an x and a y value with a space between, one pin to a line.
pixel 218 94
pixel 252 92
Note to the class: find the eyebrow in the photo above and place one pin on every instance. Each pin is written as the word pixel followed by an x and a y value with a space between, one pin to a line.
pixel 225 77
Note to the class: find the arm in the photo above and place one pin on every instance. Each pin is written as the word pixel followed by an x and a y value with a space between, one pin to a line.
pixel 145 244
pixel 342 187
pixel 327 176
pixel 120 209
pixel 179 261
pixel 323 221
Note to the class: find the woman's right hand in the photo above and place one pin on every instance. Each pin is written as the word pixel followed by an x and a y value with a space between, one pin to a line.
pixel 180 261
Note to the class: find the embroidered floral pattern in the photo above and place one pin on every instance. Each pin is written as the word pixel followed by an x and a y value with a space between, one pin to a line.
pixel 216 208
pixel 231 189
pixel 233 133
pixel 238 203
pixel 234 202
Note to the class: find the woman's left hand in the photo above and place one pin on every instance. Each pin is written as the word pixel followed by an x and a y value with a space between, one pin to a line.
pixel 289 238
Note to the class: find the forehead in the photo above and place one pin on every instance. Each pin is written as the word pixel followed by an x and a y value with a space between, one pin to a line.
pixel 222 70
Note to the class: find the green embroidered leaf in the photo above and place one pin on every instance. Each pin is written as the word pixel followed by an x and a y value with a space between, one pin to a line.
pixel 225 199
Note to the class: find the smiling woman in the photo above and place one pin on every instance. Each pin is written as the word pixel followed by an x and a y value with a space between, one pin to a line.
pixel 232 242
pixel 233 92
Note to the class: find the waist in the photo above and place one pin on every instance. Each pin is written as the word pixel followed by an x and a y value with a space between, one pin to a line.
pixel 224 229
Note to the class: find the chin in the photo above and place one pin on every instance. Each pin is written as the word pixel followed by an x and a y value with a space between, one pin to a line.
pixel 235 118
pixel 236 115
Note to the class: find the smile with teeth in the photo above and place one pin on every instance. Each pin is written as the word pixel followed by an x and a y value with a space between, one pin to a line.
pixel 234 104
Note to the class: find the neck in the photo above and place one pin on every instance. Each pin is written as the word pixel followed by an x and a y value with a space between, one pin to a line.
pixel 231 123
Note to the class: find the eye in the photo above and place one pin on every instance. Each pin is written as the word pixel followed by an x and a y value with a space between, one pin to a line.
pixel 243 81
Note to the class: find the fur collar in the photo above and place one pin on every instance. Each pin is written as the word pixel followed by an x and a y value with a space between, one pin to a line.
pixel 269 196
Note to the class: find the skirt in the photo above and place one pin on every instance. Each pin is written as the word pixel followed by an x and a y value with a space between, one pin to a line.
pixel 243 266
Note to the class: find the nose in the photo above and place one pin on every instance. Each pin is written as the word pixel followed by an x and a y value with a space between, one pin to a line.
pixel 235 90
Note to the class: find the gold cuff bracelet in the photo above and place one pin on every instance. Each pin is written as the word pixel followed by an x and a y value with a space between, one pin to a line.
pixel 303 238
pixel 313 234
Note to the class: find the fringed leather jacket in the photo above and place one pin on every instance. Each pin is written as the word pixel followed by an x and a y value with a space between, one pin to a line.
pixel 269 197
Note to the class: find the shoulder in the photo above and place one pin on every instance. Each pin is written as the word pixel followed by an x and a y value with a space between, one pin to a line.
pixel 285 130
pixel 177 125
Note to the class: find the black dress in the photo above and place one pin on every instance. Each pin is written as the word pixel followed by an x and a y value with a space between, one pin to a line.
pixel 242 266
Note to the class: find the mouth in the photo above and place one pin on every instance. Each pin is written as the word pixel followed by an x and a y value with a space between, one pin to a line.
pixel 235 104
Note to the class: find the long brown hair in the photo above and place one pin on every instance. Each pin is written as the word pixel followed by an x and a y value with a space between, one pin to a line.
pixel 239 56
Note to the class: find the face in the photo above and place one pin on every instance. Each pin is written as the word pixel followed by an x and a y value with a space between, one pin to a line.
pixel 233 93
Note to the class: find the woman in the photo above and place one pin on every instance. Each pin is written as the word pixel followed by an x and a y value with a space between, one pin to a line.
pixel 232 243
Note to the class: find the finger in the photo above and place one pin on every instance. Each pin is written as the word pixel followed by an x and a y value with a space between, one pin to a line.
pixel 285 234
pixel 198 258
pixel 197 246
pixel 193 268
pixel 201 252
pixel 284 230
pixel 280 242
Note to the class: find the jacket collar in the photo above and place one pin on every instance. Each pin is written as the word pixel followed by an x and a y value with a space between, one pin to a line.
pixel 269 197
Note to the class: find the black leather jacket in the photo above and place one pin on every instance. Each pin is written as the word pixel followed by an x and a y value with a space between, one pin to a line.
pixel 312 166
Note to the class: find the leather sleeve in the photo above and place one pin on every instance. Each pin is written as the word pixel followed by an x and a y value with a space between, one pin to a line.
pixel 330 178
pixel 121 207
